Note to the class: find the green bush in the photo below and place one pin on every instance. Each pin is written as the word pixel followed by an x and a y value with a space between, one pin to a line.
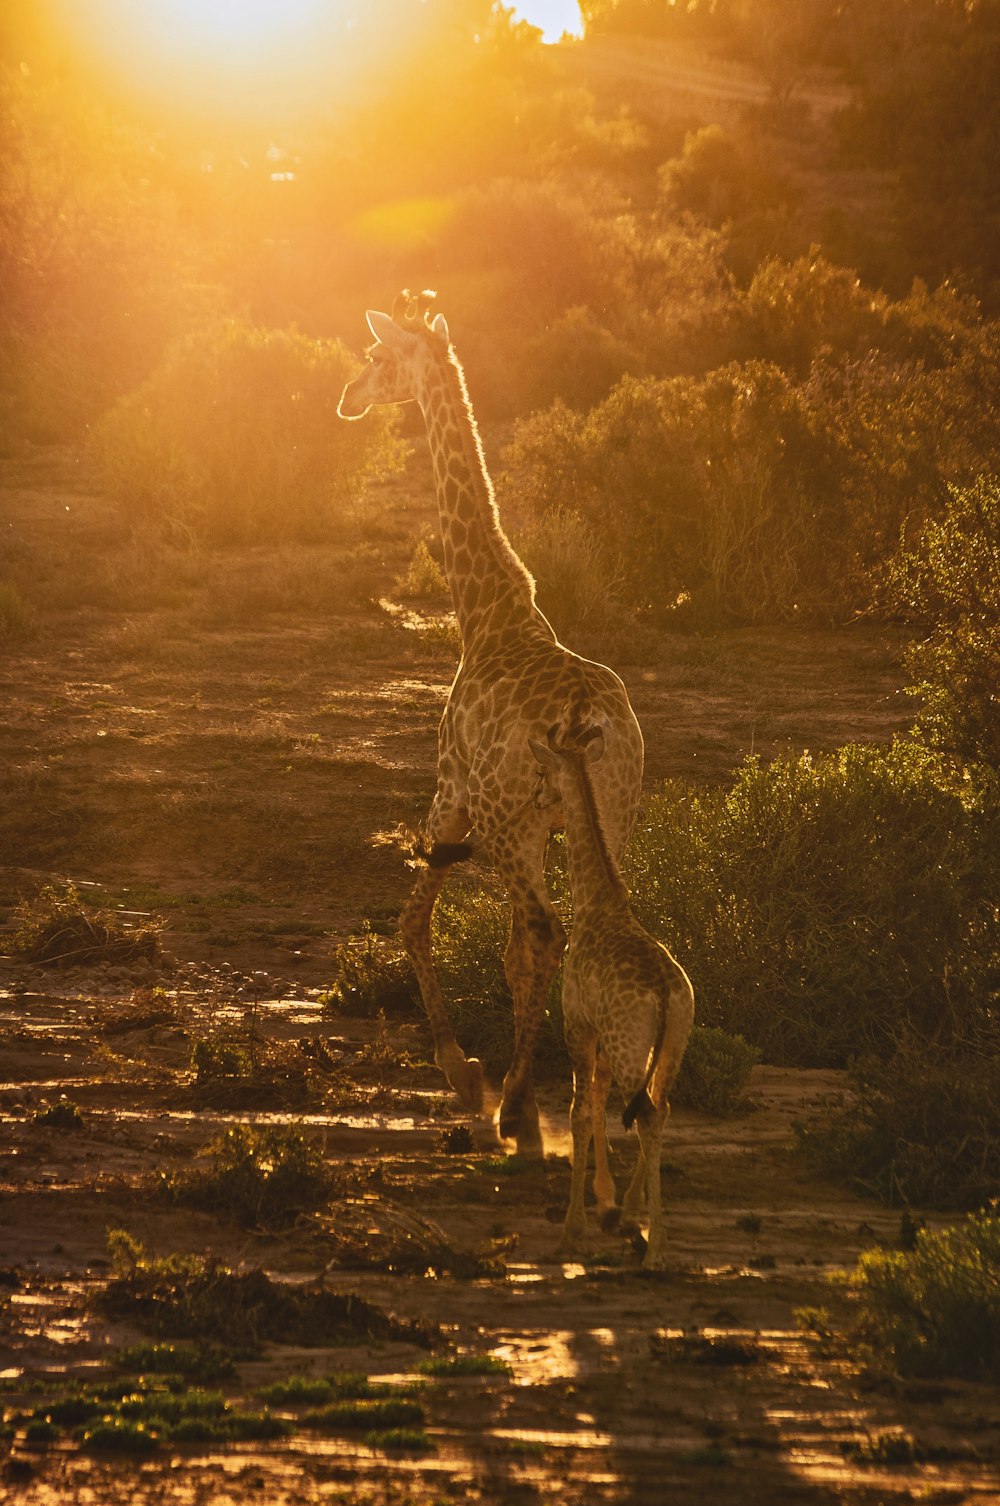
pixel 235 436
pixel 714 1072
pixel 921 1128
pixel 261 1176
pixel 949 577
pixel 821 905
pixel 718 493
pixel 935 1310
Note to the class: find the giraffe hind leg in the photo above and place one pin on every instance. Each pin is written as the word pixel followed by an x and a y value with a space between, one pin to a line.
pixel 465 1075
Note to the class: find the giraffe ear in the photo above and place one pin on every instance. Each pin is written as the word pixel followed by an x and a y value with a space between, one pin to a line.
pixel 596 745
pixel 439 327
pixel 384 327
pixel 543 755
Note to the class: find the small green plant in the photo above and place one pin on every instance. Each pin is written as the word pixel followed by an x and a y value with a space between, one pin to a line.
pixel 935 1310
pixel 61 1115
pixel 363 1415
pixel 888 1449
pixel 120 1435
pixel 424 576
pixel 464 1364
pixel 58 929
pixel 205 1363
pixel 373 976
pixel 261 1176
pixel 714 1071
pixel 401 1441
pixel 214 1058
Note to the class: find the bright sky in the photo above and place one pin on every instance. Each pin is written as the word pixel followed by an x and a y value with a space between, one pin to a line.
pixel 553 16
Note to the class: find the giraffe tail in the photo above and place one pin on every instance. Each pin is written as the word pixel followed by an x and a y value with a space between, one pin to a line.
pixel 640 1105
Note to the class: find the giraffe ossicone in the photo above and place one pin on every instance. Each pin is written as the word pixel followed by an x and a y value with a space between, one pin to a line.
pixel 514 680
pixel 628 1005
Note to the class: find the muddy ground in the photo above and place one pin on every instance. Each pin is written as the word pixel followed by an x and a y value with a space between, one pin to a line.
pixel 228 740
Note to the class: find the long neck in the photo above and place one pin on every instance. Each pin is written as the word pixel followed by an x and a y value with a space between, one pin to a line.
pixel 594 876
pixel 492 591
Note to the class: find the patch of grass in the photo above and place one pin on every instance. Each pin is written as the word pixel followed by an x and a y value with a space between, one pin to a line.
pixel 464 1364
pixel 61 1115
pixel 935 1310
pixel 204 1363
pixel 339 1386
pixel 120 1435
pixel 703 1349
pixel 261 1177
pixel 185 1296
pixel 401 1441
pixel 363 1415
pixel 57 929
pixel 714 1072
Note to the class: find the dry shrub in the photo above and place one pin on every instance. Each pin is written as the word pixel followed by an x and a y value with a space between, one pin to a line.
pixel 261 1177
pixel 236 437
pixel 57 930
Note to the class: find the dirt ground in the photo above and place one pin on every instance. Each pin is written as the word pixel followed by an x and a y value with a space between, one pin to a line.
pixel 229 744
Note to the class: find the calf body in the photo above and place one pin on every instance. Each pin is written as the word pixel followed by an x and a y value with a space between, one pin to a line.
pixel 628 1005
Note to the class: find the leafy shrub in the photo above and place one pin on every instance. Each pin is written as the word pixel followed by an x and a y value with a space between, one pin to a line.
pixel 57 929
pixel 576 360
pixel 235 436
pixel 823 904
pixel 949 578
pixel 62 1115
pixel 716 178
pixel 920 1128
pixel 262 1176
pixel 373 976
pixel 727 483
pixel 714 1072
pixel 935 1310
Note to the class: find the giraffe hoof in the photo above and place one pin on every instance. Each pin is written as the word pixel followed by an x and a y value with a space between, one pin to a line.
pixel 529 1141
pixel 465 1077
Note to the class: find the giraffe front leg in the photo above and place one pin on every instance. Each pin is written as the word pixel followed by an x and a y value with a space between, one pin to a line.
pixel 545 940
pixel 582 1051
pixel 604 1185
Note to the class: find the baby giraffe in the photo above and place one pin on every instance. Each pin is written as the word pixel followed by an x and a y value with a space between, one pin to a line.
pixel 627 1005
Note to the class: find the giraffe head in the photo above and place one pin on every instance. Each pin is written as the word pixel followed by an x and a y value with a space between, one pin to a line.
pixel 556 759
pixel 407 341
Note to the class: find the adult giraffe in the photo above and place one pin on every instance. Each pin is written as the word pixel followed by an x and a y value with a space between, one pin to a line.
pixel 514 681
